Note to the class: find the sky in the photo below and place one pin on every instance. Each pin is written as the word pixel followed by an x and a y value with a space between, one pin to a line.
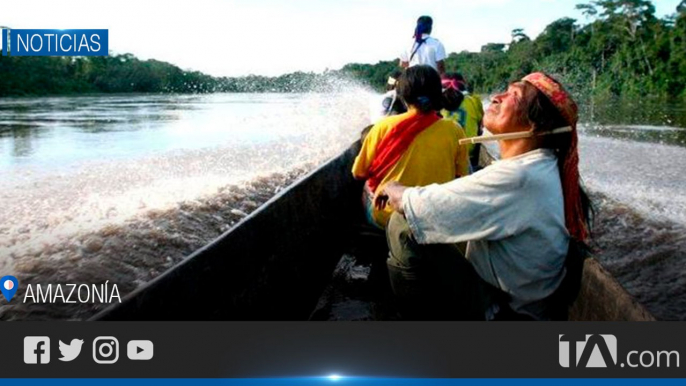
pixel 273 37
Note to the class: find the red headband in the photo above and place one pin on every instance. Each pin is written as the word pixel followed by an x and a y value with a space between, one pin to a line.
pixel 575 218
pixel 556 94
pixel 452 83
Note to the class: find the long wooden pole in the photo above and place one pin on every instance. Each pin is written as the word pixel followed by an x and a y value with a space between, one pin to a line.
pixel 517 135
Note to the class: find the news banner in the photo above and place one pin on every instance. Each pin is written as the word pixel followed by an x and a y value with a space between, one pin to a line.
pixel 54 42
pixel 450 353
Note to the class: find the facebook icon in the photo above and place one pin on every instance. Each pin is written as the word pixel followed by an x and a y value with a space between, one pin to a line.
pixel 36 349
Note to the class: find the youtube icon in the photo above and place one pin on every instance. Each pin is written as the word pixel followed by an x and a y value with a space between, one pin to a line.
pixel 139 350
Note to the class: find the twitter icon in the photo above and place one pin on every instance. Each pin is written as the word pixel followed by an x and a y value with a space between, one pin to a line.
pixel 70 351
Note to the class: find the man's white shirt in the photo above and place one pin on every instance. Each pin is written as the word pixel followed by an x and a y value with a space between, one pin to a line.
pixel 429 53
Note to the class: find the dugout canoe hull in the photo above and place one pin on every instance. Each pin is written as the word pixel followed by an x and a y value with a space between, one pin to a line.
pixel 275 263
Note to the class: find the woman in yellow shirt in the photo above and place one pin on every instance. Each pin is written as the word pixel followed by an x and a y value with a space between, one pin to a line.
pixel 416 148
pixel 468 114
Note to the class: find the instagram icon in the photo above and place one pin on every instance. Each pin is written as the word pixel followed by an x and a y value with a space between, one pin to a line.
pixel 105 350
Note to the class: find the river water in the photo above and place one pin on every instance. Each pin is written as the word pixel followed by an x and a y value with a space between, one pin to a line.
pixel 121 188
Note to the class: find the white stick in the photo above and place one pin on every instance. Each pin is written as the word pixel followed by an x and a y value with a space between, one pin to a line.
pixel 517 135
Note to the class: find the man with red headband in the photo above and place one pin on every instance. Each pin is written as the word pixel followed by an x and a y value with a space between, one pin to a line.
pixel 517 217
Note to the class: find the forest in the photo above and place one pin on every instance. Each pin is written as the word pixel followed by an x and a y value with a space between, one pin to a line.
pixel 620 49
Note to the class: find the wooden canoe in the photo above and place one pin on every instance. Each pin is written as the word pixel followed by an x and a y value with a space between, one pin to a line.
pixel 276 263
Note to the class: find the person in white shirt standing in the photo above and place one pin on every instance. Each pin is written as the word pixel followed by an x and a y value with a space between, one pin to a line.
pixel 425 49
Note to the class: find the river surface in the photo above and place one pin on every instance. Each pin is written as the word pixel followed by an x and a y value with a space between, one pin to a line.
pixel 121 188
pixel 74 164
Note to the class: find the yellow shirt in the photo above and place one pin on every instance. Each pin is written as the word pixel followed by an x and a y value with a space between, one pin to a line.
pixel 469 116
pixel 434 156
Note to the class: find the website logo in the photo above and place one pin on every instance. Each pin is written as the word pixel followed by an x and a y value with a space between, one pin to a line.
pixel 591 350
pixel 600 350
pixel 8 286
pixel 105 350
pixel 70 351
pixel 36 350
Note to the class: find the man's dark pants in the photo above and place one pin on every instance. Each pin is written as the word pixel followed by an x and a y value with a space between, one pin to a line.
pixel 434 281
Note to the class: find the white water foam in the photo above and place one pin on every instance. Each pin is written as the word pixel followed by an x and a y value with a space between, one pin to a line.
pixel 648 177
pixel 43 209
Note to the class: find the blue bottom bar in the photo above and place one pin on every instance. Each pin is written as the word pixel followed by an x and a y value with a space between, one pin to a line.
pixel 346 381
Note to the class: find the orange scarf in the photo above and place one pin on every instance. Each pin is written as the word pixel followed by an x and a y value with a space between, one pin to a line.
pixel 395 143
pixel 575 218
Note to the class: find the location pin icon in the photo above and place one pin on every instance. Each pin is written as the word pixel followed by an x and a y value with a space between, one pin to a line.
pixel 8 286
